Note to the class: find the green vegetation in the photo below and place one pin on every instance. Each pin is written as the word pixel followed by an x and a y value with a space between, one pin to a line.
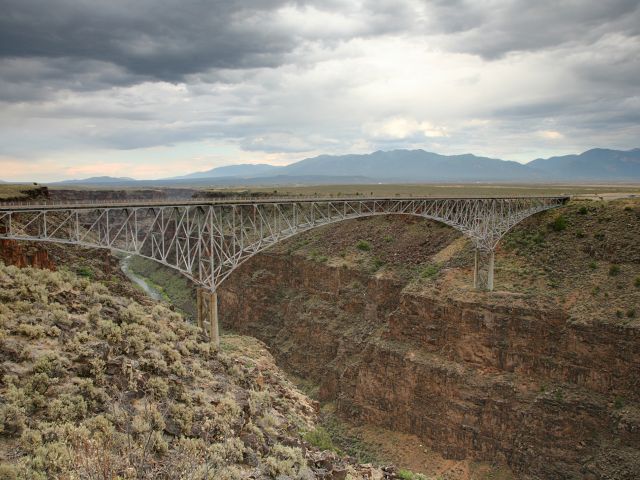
pixel 363 245
pixel 520 239
pixel 344 441
pixel 614 270
pixel 430 271
pixel 377 263
pixel 171 283
pixel 408 475
pixel 320 438
pixel 559 223
pixel 85 272
pixel 316 256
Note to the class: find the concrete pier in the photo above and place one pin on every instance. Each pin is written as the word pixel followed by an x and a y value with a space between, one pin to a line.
pixel 483 269
pixel 207 313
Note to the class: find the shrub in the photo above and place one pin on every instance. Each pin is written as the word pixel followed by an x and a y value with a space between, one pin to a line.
pixel 559 223
pixel 285 461
pixel 320 438
pixel 363 245
pixel 593 265
pixel 85 272
pixel 582 210
pixel 377 263
pixel 408 475
pixel 8 472
pixel 631 313
pixel 51 459
pixel 636 282
pixel 67 408
pixel 32 332
pixel 12 419
pixel 157 388
pixel 614 270
pixel 182 415
pixel 51 364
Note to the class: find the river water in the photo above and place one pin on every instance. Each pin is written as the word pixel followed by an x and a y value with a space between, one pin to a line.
pixel 148 288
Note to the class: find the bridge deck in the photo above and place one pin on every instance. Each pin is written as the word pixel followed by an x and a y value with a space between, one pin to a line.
pixel 12 206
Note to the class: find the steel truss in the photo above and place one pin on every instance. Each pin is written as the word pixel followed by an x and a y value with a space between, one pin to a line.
pixel 207 241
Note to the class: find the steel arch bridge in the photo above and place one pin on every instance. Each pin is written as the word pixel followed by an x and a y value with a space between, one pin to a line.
pixel 206 241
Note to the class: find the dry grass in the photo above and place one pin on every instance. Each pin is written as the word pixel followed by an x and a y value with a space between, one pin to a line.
pixel 445 190
pixel 15 192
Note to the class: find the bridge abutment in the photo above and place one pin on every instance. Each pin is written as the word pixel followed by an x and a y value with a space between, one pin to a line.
pixel 207 314
pixel 483 269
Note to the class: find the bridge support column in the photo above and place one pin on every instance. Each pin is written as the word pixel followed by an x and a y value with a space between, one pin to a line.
pixel 207 313
pixel 483 271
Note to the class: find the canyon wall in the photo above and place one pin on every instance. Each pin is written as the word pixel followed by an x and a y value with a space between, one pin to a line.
pixel 487 376
pixel 22 254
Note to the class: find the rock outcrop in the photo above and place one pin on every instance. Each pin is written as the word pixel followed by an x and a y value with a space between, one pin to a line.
pixel 23 255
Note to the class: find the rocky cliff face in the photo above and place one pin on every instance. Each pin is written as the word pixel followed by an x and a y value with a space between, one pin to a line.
pixel 492 377
pixel 23 255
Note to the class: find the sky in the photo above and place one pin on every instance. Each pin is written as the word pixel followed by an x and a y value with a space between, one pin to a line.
pixel 157 88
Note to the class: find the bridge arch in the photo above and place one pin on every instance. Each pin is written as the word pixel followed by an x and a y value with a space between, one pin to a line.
pixel 207 241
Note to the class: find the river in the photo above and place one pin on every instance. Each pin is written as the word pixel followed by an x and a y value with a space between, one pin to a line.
pixel 142 282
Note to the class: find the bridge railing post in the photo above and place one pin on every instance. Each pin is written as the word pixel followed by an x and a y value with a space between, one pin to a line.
pixel 483 269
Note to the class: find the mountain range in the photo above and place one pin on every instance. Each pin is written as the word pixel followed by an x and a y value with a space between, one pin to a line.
pixel 409 166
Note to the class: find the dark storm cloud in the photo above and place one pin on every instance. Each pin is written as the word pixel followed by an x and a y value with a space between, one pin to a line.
pixel 36 79
pixel 171 39
pixel 157 39
pixel 497 28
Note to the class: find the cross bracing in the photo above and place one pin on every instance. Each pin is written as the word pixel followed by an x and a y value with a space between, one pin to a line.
pixel 207 241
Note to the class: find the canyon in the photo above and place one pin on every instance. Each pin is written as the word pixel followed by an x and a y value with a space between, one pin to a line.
pixel 493 381
pixel 508 377
pixel 541 375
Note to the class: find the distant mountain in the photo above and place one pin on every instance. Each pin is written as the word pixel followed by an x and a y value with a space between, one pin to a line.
pixel 414 166
pixel 402 166
pixel 596 164
pixel 240 170
pixel 95 180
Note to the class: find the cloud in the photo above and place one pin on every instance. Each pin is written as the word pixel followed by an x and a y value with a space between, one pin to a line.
pixel 494 29
pixel 550 134
pixel 401 128
pixel 150 84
